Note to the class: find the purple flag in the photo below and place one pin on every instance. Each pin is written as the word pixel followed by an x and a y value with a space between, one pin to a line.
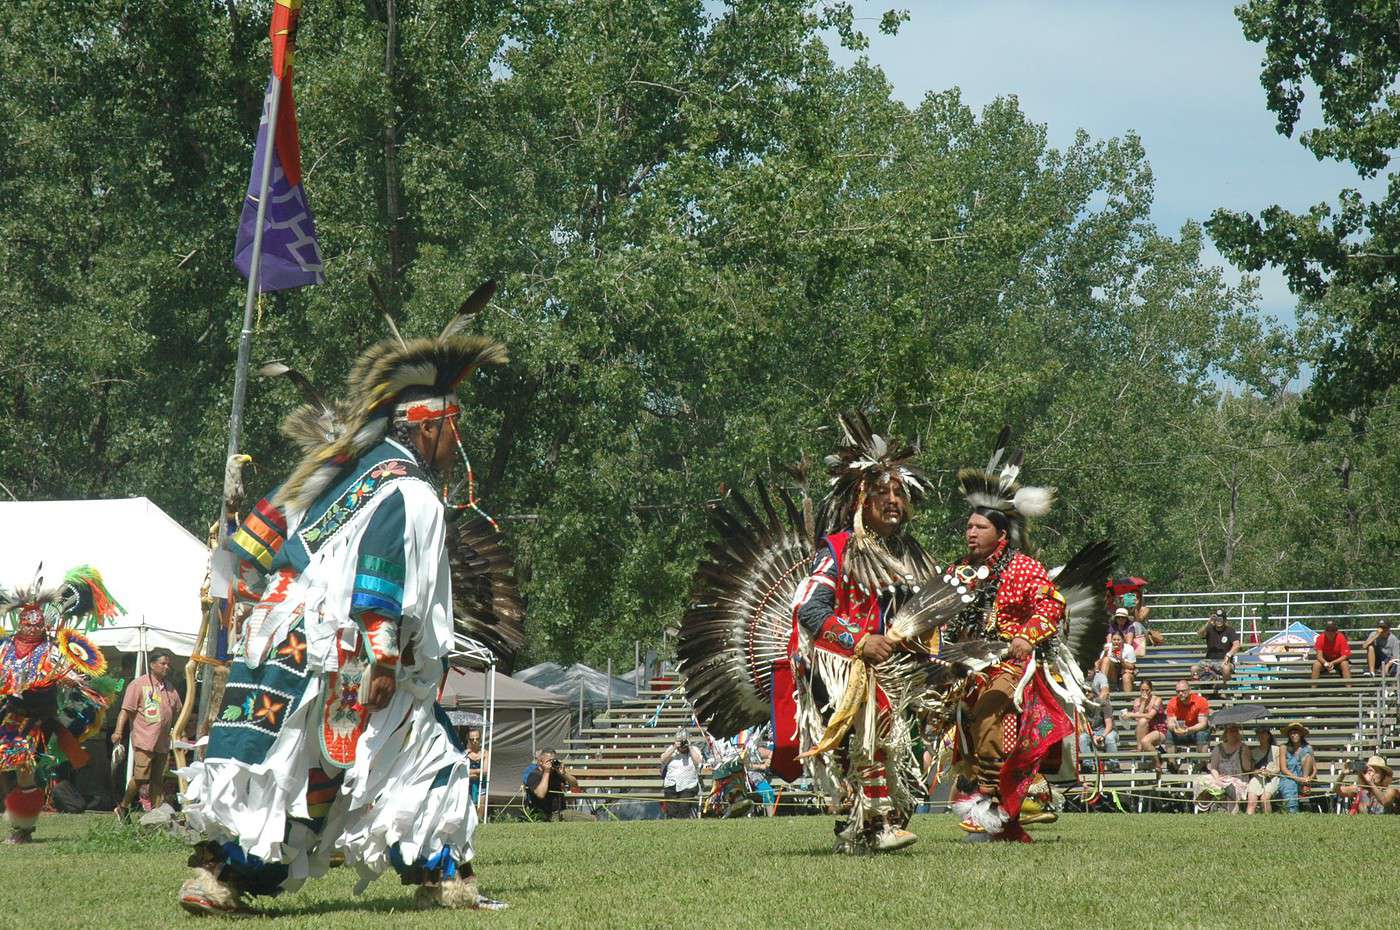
pixel 291 256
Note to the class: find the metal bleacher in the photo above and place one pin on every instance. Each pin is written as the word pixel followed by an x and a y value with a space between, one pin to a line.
pixel 619 753
pixel 1346 720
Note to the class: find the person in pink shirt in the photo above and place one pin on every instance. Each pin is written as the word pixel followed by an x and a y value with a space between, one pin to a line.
pixel 149 708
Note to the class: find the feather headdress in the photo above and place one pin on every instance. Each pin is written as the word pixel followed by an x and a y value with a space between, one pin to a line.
pixel 316 421
pixel 861 463
pixel 82 593
pixel 997 488
pixel 377 382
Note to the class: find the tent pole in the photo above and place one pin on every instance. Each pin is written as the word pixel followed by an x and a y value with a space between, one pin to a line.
pixel 142 662
pixel 490 711
pixel 533 750
pixel 610 685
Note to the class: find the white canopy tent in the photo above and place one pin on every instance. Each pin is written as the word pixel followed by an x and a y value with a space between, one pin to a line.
pixel 153 566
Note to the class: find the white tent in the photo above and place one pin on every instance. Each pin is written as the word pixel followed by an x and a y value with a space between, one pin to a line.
pixel 152 565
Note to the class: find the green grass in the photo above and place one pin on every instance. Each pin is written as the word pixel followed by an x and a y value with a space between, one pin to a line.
pixel 1086 872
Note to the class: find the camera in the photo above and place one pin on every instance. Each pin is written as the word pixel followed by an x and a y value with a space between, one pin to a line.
pixel 684 745
pixel 1357 766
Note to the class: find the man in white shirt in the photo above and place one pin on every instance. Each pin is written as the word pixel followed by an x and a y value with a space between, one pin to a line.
pixel 680 776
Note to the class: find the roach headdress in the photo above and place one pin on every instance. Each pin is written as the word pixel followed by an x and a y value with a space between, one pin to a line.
pixel 863 462
pixel 394 380
pixel 36 613
pixel 996 488
pixel 81 594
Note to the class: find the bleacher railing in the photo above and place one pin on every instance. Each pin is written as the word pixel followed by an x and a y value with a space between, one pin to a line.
pixel 1178 616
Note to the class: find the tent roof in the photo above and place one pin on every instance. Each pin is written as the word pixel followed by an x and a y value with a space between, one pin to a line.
pixel 567 681
pixel 153 566
pixel 470 685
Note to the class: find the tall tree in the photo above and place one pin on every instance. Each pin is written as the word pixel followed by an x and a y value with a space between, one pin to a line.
pixel 710 239
pixel 1343 261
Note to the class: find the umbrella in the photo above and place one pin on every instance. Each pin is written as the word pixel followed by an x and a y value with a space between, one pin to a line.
pixel 1119 586
pixel 1239 713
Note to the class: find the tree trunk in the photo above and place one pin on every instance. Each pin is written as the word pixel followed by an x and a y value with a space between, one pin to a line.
pixel 391 167
pixel 1231 540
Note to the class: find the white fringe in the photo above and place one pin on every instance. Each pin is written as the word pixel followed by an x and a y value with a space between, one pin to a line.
pixel 983 811
pixel 1026 677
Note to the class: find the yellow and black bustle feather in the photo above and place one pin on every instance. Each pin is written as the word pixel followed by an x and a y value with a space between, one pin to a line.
pixel 485 597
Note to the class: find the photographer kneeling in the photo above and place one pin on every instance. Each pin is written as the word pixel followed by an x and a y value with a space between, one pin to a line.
pixel 545 781
pixel 680 776
pixel 1373 793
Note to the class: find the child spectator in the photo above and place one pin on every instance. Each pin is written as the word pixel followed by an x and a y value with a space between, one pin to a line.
pixel 1118 662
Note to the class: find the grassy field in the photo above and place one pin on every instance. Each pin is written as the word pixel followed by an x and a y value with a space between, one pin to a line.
pixel 1088 871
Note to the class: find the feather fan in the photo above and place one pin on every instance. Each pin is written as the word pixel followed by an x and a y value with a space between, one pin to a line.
pixel 740 615
pixel 1081 583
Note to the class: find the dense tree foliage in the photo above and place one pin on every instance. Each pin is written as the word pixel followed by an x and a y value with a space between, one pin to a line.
pixel 710 239
pixel 1342 261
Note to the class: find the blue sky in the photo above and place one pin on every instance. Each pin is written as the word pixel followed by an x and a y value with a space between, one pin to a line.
pixel 1180 74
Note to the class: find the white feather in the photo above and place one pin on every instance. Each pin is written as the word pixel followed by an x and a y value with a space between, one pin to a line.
pixel 1033 502
pixel 983 811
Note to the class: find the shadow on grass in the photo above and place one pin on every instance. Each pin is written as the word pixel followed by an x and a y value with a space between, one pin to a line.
pixel 348 903
pixel 392 904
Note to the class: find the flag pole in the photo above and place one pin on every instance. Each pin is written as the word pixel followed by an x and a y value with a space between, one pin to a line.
pixel 240 375
pixel 245 338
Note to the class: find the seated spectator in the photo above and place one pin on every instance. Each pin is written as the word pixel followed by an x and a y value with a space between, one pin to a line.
pixel 1122 622
pixel 1118 662
pixel 1146 636
pixel 1331 652
pixel 1188 717
pixel 1222 642
pixel 1382 651
pixel 1299 767
pixel 680 776
pixel 545 782
pixel 1373 793
pixel 1263 781
pixel 1222 784
pixel 1150 718
pixel 1099 735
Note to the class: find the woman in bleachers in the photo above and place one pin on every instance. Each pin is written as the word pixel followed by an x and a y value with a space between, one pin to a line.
pixel 1151 719
pixel 1263 783
pixel 1222 784
pixel 1299 767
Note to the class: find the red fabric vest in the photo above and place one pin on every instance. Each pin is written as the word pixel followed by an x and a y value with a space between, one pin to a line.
pixel 863 610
